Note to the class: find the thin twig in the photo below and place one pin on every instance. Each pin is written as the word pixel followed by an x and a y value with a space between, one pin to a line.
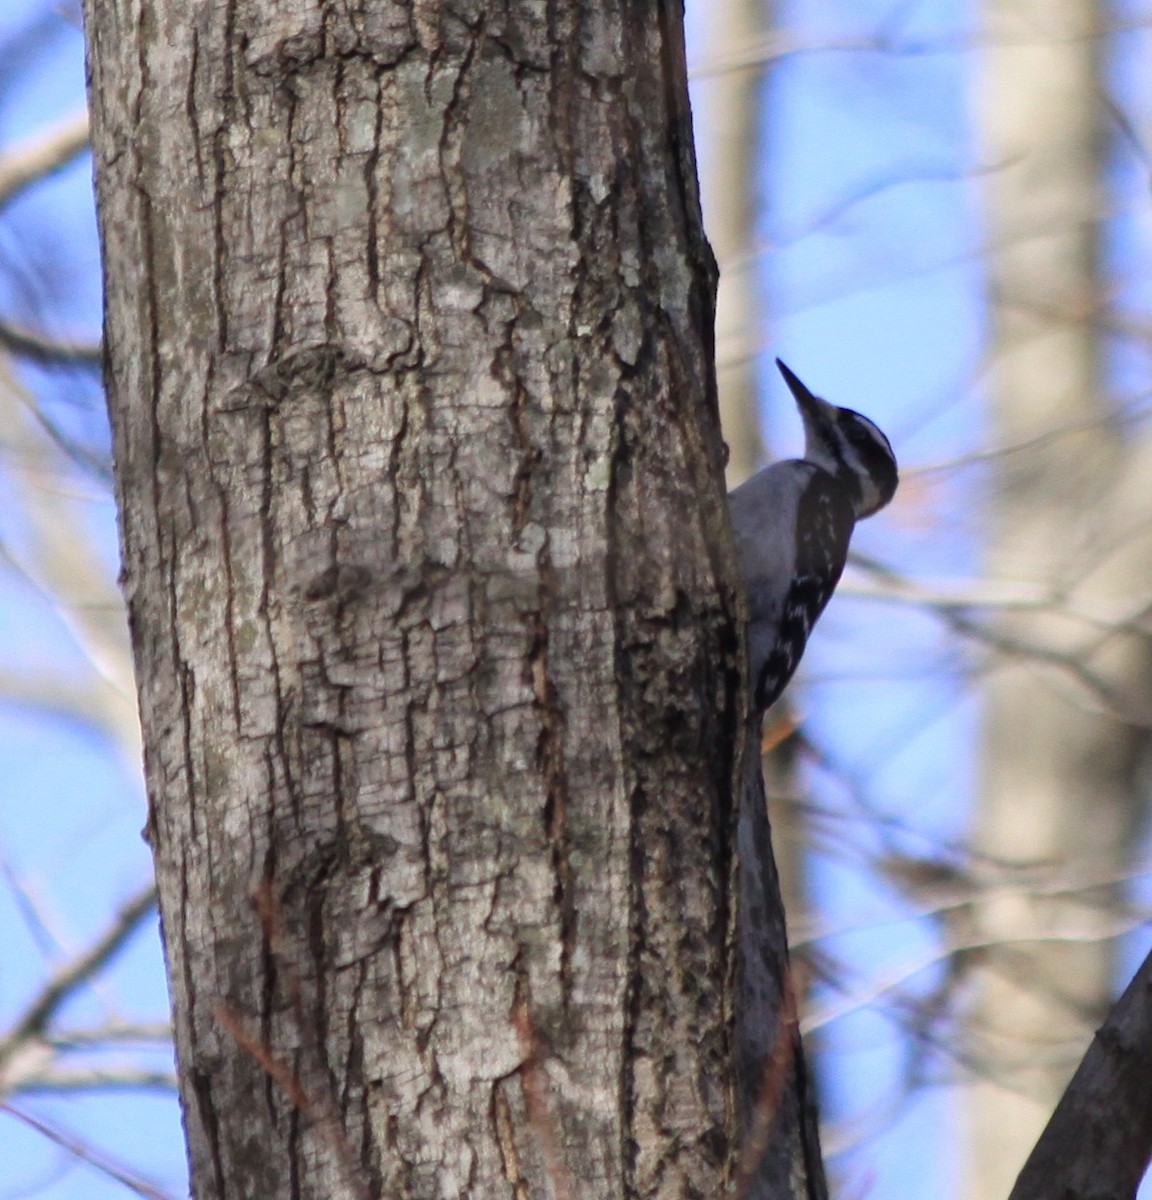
pixel 88 1154
pixel 42 155
pixel 38 1015
pixel 56 1082
pixel 280 1074
pixel 28 343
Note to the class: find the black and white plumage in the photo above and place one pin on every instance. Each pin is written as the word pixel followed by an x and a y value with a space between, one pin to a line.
pixel 793 523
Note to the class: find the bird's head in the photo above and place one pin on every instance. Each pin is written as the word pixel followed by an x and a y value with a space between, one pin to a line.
pixel 847 445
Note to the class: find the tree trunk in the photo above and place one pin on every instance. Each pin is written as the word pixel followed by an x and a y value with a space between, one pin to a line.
pixel 431 589
pixel 780 1156
pixel 1061 750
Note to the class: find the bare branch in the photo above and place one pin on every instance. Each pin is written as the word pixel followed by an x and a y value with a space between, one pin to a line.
pixel 42 155
pixel 111 1032
pixel 96 1079
pixel 1073 660
pixel 63 696
pixel 1099 1140
pixel 39 1064
pixel 27 343
pixel 901 974
pixel 761 51
pixel 37 1016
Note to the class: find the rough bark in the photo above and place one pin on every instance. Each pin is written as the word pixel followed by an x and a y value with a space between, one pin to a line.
pixel 432 595
pixel 1065 730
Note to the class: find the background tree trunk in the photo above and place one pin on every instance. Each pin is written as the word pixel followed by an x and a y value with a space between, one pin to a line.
pixel 1062 742
pixel 409 317
pixel 729 121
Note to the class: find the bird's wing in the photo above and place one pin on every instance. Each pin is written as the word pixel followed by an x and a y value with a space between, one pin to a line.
pixel 824 523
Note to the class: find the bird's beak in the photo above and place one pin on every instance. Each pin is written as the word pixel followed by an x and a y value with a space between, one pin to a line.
pixel 810 405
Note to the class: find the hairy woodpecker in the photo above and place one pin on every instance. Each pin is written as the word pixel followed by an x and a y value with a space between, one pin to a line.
pixel 793 523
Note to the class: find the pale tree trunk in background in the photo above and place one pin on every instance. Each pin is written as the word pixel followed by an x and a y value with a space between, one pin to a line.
pixel 1058 787
pixel 432 595
pixel 728 127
